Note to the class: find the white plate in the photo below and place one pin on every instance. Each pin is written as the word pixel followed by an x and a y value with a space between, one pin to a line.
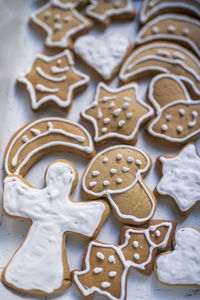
pixel 19 41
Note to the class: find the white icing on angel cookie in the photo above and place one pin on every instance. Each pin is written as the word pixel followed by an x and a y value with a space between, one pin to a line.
pixel 104 55
pixel 38 263
pixel 46 86
pixel 121 113
pixel 181 177
pixel 182 265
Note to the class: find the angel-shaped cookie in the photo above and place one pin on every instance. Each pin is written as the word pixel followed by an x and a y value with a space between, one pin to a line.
pixel 177 116
pixel 40 264
pixel 105 267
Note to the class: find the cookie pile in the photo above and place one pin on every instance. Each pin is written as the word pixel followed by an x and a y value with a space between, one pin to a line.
pixel 167 49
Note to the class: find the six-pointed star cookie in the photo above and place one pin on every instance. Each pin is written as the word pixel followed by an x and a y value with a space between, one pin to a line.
pixel 61 24
pixel 103 10
pixel 52 80
pixel 181 178
pixel 117 113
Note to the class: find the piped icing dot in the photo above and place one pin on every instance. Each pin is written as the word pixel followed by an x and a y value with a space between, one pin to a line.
pixel 155 30
pixel 67 19
pixel 117 3
pixel 127 99
pixel 157 233
pixel 163 53
pixel 136 256
pixel 104 129
pixel 130 159
pixel 106 120
pixel 113 171
pixel 25 139
pixel 129 115
pixel 178 55
pixel 179 129
pixel 92 183
pixel 125 106
pixel 111 105
pixel 171 29
pixel 105 284
pixel 56 17
pixel 164 127
pixel 135 244
pixel 168 117
pixel 112 274
pixel 119 180
pixel 97 270
pixel 111 259
pixel 105 160
pixel 121 123
pixel 95 173
pixel 57 26
pixel 99 115
pixel 181 112
pixel 119 156
pixel 117 112
pixel 47 14
pixel 59 62
pixel 100 255
pixel 138 162
pixel 125 169
pixel 185 31
pixel 106 182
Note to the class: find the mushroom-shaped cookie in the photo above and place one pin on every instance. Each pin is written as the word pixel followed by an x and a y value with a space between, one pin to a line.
pixel 117 174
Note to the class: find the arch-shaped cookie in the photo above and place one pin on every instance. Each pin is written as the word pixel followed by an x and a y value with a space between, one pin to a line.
pixel 45 135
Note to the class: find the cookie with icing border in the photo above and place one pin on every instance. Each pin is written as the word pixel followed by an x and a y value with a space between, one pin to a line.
pixel 52 80
pixel 103 11
pixel 151 9
pixel 176 122
pixel 179 178
pixel 104 55
pixel 117 174
pixel 181 266
pixel 154 58
pixel 61 24
pixel 117 113
pixel 106 267
pixel 70 3
pixel 39 266
pixel 181 29
pixel 42 136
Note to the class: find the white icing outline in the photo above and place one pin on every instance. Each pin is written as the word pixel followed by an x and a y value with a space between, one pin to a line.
pixel 63 43
pixel 108 193
pixel 181 158
pixel 110 90
pixel 64 104
pixel 69 4
pixel 130 76
pixel 170 36
pixel 129 8
pixel 159 6
pixel 87 149
pixel 53 214
pixel 88 291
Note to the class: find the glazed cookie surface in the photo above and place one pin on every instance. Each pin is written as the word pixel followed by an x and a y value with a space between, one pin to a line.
pixel 52 80
pixel 40 265
pixel 117 113
pixel 117 174
pixel 61 24
pixel 104 10
pixel 104 55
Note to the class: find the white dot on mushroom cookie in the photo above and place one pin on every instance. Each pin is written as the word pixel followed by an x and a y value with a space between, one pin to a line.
pixel 138 162
pixel 130 159
pixel 119 180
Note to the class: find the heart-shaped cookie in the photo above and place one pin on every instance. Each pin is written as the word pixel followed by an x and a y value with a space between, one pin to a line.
pixel 104 55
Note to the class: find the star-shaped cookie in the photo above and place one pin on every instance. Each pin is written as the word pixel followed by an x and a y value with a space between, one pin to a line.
pixel 181 178
pixel 117 113
pixel 52 80
pixel 61 23
pixel 103 10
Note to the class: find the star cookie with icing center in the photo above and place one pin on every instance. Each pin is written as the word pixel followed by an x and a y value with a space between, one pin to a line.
pixel 117 113
pixel 62 24
pixel 52 80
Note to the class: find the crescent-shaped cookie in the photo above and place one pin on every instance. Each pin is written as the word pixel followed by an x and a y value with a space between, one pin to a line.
pixel 155 58
pixel 45 135
pixel 170 27
pixel 151 9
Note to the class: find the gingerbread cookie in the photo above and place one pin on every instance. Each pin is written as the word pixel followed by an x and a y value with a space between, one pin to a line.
pixel 70 3
pixel 182 265
pixel 176 121
pixel 104 55
pixel 151 9
pixel 117 113
pixel 62 24
pixel 170 27
pixel 42 136
pixel 117 174
pixel 105 10
pixel 156 58
pixel 179 178
pixel 105 267
pixel 40 264
pixel 52 80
